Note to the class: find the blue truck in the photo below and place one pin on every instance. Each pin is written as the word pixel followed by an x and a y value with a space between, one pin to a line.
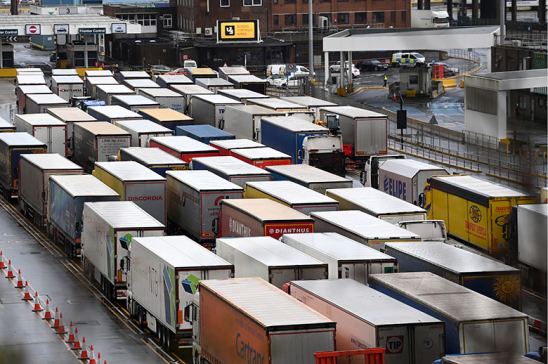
pixel 203 133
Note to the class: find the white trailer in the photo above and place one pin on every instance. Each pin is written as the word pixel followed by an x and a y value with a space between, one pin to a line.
pixel 214 84
pixel 22 91
pixel 164 97
pixel 532 228
pixel 39 103
pixel 131 75
pixel 70 115
pixel 242 94
pixel 225 146
pixel 139 83
pixel 64 72
pixel 210 109
pixel 313 104
pixel 286 107
pixel 113 113
pixel 244 121
pixel 367 318
pixel 46 128
pixel 188 91
pixel 142 131
pixel 314 178
pixel 108 229
pixel 231 169
pixel 98 73
pixel 170 80
pixel 105 92
pixel 134 102
pixel 429 19
pixel 92 82
pixel 269 259
pixel 30 79
pixel 67 87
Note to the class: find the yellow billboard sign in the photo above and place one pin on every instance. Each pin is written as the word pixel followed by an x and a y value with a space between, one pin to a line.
pixel 238 31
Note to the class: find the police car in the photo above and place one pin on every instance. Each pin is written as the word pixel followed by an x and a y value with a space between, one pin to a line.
pixel 409 59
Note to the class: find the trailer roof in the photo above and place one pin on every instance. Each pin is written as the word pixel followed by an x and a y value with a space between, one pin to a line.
pixel 4 124
pixel 445 297
pixel 135 100
pixel 365 303
pixel 30 79
pixel 141 83
pixel 338 247
pixel 242 93
pixel 306 173
pixel 265 304
pixel 205 131
pixel 83 185
pixel 231 166
pixel 129 171
pixel 217 99
pixel 67 79
pixel 35 89
pixel 102 80
pixel 115 111
pixel 364 225
pixel 102 128
pixel 308 101
pixel 124 215
pixel 491 358
pixel 184 144
pixel 20 139
pixel 291 193
pixel 40 119
pixel 175 79
pixel 540 208
pixel 261 153
pixel 373 201
pixel 70 114
pixel 47 99
pixel 179 251
pixel 165 114
pixel 256 110
pixel 265 209
pixel 353 112
pixel 153 156
pixel 98 73
pixel 214 82
pixel 409 167
pixel 246 79
pixel 234 70
pixel 230 144
pixel 20 71
pixel 143 126
pixel 204 181
pixel 159 92
pixel 295 124
pixel 51 161
pixel 191 89
pixel 476 186
pixel 275 103
pixel 115 89
pixel 202 71
pixel 134 74
pixel 64 72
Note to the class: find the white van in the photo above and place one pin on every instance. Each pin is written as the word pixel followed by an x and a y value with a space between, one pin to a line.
pixel 283 69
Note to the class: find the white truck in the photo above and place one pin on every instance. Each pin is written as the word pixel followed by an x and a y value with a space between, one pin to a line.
pixel 429 19
pixel 67 87
pixel 46 128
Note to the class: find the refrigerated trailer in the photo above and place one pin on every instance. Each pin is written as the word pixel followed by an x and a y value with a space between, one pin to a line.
pixel 226 146
pixel 67 87
pixel 138 83
pixel 40 103
pixel 242 94
pixel 30 79
pixel 314 178
pixel 170 80
pixel 313 104
pixel 532 231
pixel 231 169
pixel 473 323
pixel 142 131
pixel 105 92
pixel 154 159
pixel 183 147
pixel 169 118
pixel 262 157
pixel 64 72
pixel 108 230
pixel 134 102
pixel 346 258
pixel 214 84
pixel 163 280
pixel 471 270
pixel 22 91
pixel 92 82
pixel 164 97
pixel 291 194
pixel 367 318
pixel 46 128
pixel 209 109
pixel 135 182
pixel 112 113
pixel 6 126
pixel 286 107
pixel 269 259
pixel 244 121
pixel 193 202
pixel 70 115
pixel 98 73
pixel 188 91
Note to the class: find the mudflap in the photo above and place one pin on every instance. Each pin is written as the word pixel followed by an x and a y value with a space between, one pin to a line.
pixel 331 162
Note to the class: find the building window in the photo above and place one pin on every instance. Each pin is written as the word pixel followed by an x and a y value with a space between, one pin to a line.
pixel 276 20
pixel 393 17
pixel 167 21
pixel 253 2
pixel 290 19
pixel 403 16
pixel 360 18
pixel 225 3
pixel 343 18
pixel 304 19
pixel 378 17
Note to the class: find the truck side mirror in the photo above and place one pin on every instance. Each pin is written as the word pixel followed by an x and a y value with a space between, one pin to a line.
pixel 187 313
pixel 421 200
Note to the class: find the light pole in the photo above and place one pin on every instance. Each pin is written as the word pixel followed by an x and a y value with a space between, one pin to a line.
pixel 310 40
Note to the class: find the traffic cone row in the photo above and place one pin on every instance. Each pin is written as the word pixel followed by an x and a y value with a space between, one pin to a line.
pixel 26 292
pixel 2 263
pixel 19 283
pixel 9 274
pixel 47 314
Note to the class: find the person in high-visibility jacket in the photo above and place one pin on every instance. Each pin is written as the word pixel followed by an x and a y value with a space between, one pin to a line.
pixel 385 79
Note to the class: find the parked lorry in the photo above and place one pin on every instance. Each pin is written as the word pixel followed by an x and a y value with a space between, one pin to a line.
pixel 210 109
pixel 130 75
pixel 286 107
pixel 471 270
pixel 214 84
pixel 183 147
pixel 369 177
pixel 408 335
pixel 244 121
pixel 242 94
pixel 170 80
pixel 193 202
pixel 92 82
pixel 428 230
pixel 134 102
pixel 70 115
pixel 98 141
pixel 112 113
pixel 249 82
pixel 6 126
pixel 163 280
pixel 164 97
pixel 261 217
pixel 142 131
pixel 23 91
pixel 34 173
pixel 227 145
pixel 67 87
pixel 39 103
pixel 362 227
pixel 474 210
pixel 189 91
pixel 531 243
pixel 258 330
pixel 291 194
pixel 106 92
pixel 311 177
pixel 169 118
pixel 231 169
pixel 98 73
pixel 135 182
pixel 346 258
pixel 262 157
pixel 473 323
pixel 138 83
pixel 45 128
pixel 108 230
pixel 67 195
pixel 30 79
pixel 429 19
pixel 203 133
pixel 12 145
pixel 312 103
pixel 377 204
pixel 269 259
pixel 226 71
pixel 154 159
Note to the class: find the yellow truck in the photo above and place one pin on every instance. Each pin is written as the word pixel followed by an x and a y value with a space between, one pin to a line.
pixel 474 210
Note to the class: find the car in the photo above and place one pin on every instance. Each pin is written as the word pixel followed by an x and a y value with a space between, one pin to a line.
pixel 408 59
pixel 371 65
pixel 447 69
pixel 282 69
pixel 159 69
pixel 336 68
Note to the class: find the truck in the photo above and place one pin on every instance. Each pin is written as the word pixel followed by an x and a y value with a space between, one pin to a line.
pixel 195 73
pixel 428 230
pixel 188 91
pixel 64 72
pixel 214 84
pixel 6 126
pixel 406 178
pixel 364 132
pixel 376 203
pixel 471 270
pixel 531 237
pixel 164 97
pixel 227 145
pixel 473 323
pixel 183 147
pixel 66 198
pixel 108 230
pixel 131 75
pixel 226 71
pixel 21 93
pixel 474 210
pixel 34 173
pixel 258 330
pixel 312 103
pixel 249 82
pixel 360 314
pixel 30 79
pixel 135 182
pixel 261 157
pixel 269 259
pixel 169 118
pixel 286 107
pixel 244 121
pixel 92 82
pixel 170 80
pixel 97 141
pixel 231 169
pixel 429 19
pixel 362 227
pixel 242 94
pixel 98 73
pixel 346 258
pixel 139 83
pixel 12 145
pixel 163 280
pixel 154 159
pixel 311 177
pixel 134 102
pixel 209 109
pixel 67 87
pixel 105 92
pixel 142 131
pixel 112 113
pixel 69 116
pixel 369 177
pixel 40 103
pixel 203 133
pixel 46 128
pixel 193 199
pixel 261 217
pixel 291 194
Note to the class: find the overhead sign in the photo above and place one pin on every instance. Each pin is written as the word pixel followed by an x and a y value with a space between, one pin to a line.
pixel 119 28
pixel 90 31
pixel 32 29
pixel 8 32
pixel 234 31
pixel 60 29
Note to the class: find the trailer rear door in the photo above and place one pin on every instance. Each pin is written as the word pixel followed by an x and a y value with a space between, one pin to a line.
pixel 299 347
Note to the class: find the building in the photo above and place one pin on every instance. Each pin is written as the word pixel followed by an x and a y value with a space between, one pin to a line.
pixel 153 19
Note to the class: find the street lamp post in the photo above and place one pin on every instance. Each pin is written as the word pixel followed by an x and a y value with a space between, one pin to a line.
pixel 311 40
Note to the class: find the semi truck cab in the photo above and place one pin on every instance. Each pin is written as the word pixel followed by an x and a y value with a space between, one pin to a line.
pixel 369 177
pixel 324 152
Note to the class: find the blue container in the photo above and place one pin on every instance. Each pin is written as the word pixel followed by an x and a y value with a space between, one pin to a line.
pixel 287 133
pixel 203 133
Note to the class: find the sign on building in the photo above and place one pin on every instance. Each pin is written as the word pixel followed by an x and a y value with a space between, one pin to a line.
pixel 238 31
pixel 119 28
pixel 32 29
pixel 59 29
pixel 91 31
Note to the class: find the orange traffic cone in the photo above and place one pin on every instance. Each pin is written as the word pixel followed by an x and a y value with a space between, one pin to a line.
pixel 57 321
pixel 84 352
pixel 47 314
pixel 19 283
pixel 26 292
pixel 60 330
pixel 9 274
pixel 37 306
pixel 70 338
pixel 2 264
pixel 76 345
pixel 92 356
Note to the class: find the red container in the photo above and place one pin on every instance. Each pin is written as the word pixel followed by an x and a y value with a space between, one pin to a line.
pixel 262 157
pixel 183 147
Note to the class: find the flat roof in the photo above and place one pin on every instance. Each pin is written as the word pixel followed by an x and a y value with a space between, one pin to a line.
pixel 204 181
pixel 308 101
pixel 295 124
pixel 275 103
pixel 231 166
pixel 20 139
pixel 35 89
pixel 124 215
pixel 246 79
pixel 221 82
pixel 165 114
pixel 134 74
pixel 217 99
pixel 115 89
pixel 261 153
pixel 184 144
pixel 67 79
pixel 83 185
pixel 70 114
pixel 30 79
pixel 129 171
pixel 64 72
pixel 40 119
pixel 175 79
pixel 409 167
pixel 265 209
pixel 47 99
pixel 230 144
pixel 478 186
pixel 511 80
pixel 98 73
pixel 204 131
pixel 102 128
pixel 153 156
pixel 115 111
pixel 291 193
pixel 242 93
pixel 540 208
pixel 256 110
pixel 307 174
pixel 159 92
pixel 135 100
pixel 191 89
pixel 234 70
pixel 108 80
pixel 143 126
pixel 353 112
pixel 141 83
pixel 51 161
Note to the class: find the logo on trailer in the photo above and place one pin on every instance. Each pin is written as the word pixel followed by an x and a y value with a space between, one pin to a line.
pixel 475 213
pixel 394 344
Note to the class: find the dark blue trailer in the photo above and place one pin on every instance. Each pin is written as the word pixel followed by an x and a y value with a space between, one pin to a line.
pixel 203 133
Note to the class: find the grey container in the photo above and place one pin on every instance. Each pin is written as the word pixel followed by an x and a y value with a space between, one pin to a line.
pixel 314 178
pixel 134 102
pixel 105 92
pixel 142 131
pixel 244 121
pixel 188 91
pixel 231 169
pixel 209 109
pixel 214 84
pixel 39 103
pixel 532 231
